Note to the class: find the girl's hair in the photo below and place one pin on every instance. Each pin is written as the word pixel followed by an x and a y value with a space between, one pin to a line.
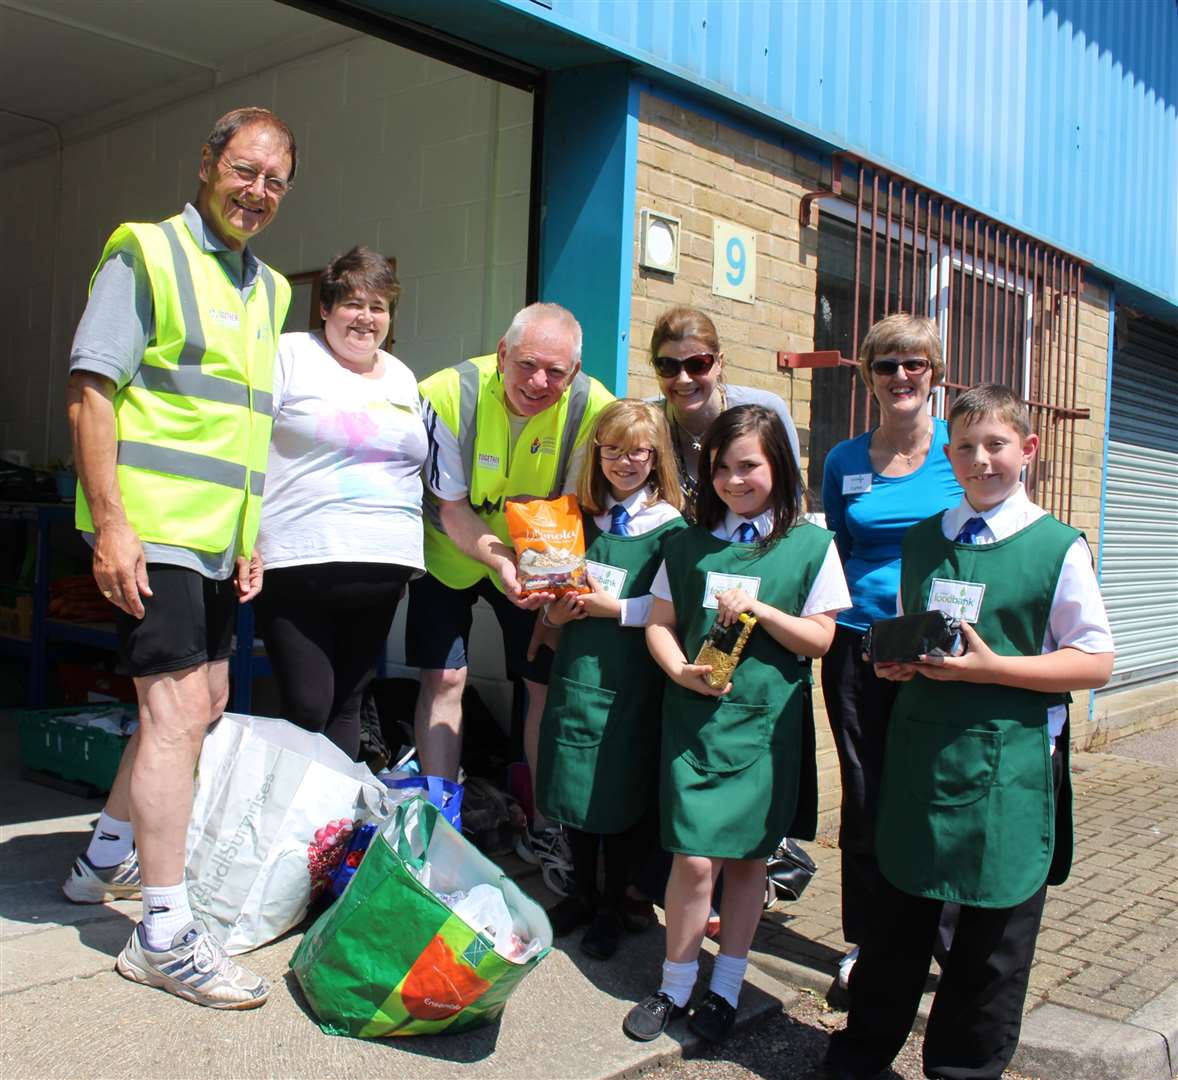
pixel 629 423
pixel 784 497
pixel 679 323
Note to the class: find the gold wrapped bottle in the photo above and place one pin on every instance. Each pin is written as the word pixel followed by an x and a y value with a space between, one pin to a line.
pixel 722 648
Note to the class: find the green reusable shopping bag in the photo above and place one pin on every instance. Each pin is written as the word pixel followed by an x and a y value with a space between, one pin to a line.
pixel 390 958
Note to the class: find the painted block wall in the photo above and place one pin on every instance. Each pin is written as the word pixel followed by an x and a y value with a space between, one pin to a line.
pixel 698 169
pixel 413 157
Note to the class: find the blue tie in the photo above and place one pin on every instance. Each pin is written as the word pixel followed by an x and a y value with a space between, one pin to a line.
pixel 620 526
pixel 747 533
pixel 970 530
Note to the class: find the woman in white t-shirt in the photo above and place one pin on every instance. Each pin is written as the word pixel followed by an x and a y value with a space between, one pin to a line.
pixel 341 529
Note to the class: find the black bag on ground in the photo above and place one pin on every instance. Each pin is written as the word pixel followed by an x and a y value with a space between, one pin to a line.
pixel 790 870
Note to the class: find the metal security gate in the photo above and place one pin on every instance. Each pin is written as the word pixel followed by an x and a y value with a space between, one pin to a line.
pixel 1008 308
pixel 1139 556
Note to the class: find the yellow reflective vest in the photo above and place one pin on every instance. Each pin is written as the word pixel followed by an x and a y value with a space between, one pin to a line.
pixel 470 401
pixel 193 425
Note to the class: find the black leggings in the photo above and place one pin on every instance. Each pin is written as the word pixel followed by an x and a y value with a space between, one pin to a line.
pixel 858 705
pixel 618 850
pixel 325 627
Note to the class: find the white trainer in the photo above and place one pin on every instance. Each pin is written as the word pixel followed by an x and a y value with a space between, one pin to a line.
pixel 90 884
pixel 195 968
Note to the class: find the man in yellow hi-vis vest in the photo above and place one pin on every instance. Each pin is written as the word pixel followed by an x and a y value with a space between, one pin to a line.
pixel 171 375
pixel 514 423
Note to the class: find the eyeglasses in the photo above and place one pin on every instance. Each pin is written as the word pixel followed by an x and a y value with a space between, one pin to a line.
pixel 640 455
pixel 669 367
pixel 275 185
pixel 915 365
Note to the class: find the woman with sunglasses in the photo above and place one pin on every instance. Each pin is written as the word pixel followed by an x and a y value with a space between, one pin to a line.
pixel 873 488
pixel 689 364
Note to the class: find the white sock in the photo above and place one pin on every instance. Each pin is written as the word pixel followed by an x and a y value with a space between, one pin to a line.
pixel 111 843
pixel 679 980
pixel 165 913
pixel 727 976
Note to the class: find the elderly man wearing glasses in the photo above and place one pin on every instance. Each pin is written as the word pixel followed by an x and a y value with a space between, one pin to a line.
pixel 169 401
pixel 507 425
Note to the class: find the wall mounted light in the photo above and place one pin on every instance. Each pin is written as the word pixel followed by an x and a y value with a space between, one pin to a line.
pixel 659 243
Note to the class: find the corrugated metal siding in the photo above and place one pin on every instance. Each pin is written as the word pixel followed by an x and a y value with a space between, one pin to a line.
pixel 1058 117
pixel 1139 552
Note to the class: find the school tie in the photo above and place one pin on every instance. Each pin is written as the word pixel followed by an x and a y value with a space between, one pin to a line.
pixel 746 533
pixel 620 526
pixel 970 530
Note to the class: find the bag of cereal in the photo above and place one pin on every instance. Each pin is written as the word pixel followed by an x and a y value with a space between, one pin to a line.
pixel 549 544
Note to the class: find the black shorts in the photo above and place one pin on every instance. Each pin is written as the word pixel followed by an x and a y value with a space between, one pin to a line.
pixel 437 629
pixel 188 620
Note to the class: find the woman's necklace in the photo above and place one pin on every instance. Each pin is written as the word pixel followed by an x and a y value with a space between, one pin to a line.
pixel 696 442
pixel 899 453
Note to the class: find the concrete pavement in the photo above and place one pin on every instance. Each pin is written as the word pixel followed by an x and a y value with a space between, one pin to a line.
pixel 65 1013
pixel 1103 1002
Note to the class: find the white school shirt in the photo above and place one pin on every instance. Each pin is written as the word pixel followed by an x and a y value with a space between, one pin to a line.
pixel 647 512
pixel 828 593
pixel 1077 619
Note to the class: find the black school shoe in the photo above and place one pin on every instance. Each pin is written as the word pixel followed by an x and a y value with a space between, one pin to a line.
pixel 569 913
pixel 604 935
pixel 713 1018
pixel 650 1017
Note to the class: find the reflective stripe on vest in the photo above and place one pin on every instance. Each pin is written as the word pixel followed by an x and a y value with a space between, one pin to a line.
pixel 468 402
pixel 193 425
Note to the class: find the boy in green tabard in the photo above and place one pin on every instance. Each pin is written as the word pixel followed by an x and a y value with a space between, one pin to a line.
pixel 975 807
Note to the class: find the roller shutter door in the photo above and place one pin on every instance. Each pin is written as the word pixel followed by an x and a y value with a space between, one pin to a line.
pixel 1140 555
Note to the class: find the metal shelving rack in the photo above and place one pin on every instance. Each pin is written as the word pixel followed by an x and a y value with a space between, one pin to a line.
pixel 246 662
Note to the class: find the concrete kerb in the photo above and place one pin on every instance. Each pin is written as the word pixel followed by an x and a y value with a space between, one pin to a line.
pixel 1056 1041
pixel 1059 1041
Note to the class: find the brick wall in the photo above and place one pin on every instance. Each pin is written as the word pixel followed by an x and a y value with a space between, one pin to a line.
pixel 1091 384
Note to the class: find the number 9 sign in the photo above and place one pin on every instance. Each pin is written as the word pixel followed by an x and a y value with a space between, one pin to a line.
pixel 734 269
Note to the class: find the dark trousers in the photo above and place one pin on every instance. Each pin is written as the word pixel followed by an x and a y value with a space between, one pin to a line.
pixel 858 706
pixel 325 627
pixel 618 850
pixel 977 1012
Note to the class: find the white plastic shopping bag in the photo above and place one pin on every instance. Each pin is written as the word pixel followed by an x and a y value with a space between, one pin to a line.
pixel 273 810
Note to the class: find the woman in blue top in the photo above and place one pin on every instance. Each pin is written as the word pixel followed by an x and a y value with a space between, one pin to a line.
pixel 873 488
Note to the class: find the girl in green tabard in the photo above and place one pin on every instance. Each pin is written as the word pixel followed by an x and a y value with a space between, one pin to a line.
pixel 737 765
pixel 599 738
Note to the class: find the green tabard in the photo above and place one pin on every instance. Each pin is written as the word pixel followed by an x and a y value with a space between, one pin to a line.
pixel 967 812
pixel 738 773
pixel 599 738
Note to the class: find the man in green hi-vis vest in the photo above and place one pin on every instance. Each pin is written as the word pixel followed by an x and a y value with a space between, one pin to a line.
pixel 171 375
pixel 502 426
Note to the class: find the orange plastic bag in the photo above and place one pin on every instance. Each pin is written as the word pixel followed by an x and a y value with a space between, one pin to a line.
pixel 549 544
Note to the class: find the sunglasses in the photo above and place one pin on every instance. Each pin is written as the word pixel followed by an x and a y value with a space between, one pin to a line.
pixel 917 365
pixel 669 367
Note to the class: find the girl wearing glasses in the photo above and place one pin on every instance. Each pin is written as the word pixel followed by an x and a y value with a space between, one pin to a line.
pixel 689 364
pixel 599 739
pixel 873 488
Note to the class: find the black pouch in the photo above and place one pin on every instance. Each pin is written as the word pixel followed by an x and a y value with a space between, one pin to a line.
pixel 788 871
pixel 909 637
